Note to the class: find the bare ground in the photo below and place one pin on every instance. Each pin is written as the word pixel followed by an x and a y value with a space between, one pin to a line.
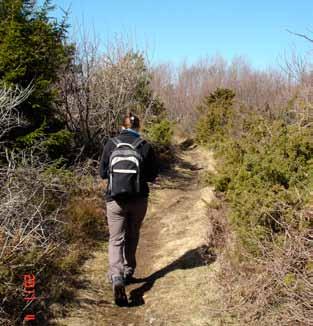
pixel 174 283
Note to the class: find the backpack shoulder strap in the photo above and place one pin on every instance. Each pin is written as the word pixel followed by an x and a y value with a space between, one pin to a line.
pixel 137 142
pixel 115 141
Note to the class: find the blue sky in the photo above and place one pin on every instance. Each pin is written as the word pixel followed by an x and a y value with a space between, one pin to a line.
pixel 176 30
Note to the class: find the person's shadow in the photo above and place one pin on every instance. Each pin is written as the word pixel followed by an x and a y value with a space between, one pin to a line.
pixel 193 258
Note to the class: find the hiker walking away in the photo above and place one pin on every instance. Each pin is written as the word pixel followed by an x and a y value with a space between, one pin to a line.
pixel 128 162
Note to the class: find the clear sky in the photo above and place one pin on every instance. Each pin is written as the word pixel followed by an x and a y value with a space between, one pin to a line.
pixel 175 30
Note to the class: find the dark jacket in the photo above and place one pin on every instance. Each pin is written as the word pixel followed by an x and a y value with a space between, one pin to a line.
pixel 150 167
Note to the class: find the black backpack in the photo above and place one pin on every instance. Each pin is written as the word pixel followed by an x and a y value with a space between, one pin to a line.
pixel 124 168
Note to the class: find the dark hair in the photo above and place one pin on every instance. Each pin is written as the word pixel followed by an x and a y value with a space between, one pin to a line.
pixel 131 121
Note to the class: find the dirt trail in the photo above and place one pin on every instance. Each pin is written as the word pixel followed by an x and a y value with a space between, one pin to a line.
pixel 174 286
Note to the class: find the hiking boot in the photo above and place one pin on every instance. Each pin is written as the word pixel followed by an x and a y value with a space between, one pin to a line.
pixel 119 293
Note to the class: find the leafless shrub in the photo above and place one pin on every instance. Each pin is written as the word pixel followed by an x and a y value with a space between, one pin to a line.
pixel 24 216
pixel 303 107
pixel 30 204
pixel 46 212
pixel 10 99
pixel 100 87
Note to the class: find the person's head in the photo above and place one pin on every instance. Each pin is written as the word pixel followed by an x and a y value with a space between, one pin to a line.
pixel 131 121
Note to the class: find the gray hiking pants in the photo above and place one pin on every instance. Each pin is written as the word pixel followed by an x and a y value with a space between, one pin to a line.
pixel 124 220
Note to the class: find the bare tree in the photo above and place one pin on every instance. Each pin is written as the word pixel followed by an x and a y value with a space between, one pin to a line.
pixel 98 88
pixel 183 87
